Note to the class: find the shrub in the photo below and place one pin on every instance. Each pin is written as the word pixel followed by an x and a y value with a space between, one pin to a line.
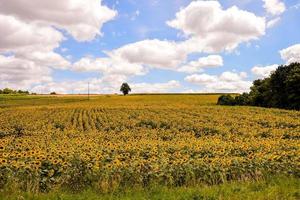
pixel 242 99
pixel 226 100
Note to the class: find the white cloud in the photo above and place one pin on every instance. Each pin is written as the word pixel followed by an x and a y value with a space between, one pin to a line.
pixel 31 33
pixel 82 19
pixel 231 76
pixel 226 82
pixel 49 59
pixel 196 66
pixel 18 35
pixel 31 49
pixel 108 66
pixel 201 78
pixel 264 72
pixel 154 53
pixel 243 74
pixel 31 42
pixel 21 74
pixel 155 87
pixel 274 7
pixel 137 58
pixel 273 22
pixel 291 54
pixel 213 29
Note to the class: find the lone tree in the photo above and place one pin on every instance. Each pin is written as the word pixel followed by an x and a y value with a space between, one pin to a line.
pixel 125 88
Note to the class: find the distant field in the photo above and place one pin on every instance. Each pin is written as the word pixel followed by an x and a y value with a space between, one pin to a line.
pixel 113 142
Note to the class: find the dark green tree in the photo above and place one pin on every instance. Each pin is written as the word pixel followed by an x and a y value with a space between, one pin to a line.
pixel 260 93
pixel 125 88
pixel 226 100
pixel 11 91
pixel 8 91
pixel 293 86
pixel 242 99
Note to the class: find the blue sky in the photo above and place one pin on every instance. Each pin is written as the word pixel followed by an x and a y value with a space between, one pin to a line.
pixel 99 58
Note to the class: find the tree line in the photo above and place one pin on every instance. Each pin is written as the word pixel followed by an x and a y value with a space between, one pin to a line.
pixel 11 91
pixel 280 90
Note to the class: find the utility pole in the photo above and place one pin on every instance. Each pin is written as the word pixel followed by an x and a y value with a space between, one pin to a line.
pixel 88 90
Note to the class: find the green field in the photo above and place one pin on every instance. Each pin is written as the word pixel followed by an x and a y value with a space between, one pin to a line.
pixel 146 147
pixel 278 188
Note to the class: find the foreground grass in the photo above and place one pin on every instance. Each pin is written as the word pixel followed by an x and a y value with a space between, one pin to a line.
pixel 273 188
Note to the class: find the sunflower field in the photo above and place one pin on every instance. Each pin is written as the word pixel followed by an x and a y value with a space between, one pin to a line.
pixel 111 142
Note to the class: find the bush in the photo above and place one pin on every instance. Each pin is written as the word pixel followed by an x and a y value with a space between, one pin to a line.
pixel 242 99
pixel 8 91
pixel 226 100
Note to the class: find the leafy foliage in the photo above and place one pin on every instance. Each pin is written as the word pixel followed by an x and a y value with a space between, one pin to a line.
pixel 226 100
pixel 125 88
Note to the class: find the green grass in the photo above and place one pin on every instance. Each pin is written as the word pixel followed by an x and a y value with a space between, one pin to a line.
pixel 280 188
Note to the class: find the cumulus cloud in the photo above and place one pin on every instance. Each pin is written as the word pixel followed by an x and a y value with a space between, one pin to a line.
pixel 49 59
pixel 201 78
pixel 108 66
pixel 155 87
pixel 274 7
pixel 82 19
pixel 31 53
pixel 213 29
pixel 31 42
pixel 204 62
pixel 20 36
pixel 291 54
pixel 21 74
pixel 154 53
pixel 264 72
pixel 226 82
pixel 31 31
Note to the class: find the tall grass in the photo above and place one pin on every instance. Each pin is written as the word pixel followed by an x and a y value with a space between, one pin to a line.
pixel 281 188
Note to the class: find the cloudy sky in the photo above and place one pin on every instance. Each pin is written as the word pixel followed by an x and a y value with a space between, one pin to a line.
pixel 154 45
